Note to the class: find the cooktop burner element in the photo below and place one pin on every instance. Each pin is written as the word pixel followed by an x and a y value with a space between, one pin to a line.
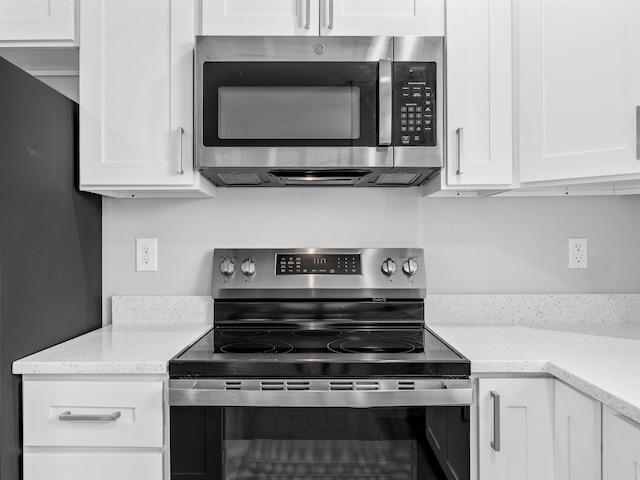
pixel 255 347
pixel 371 346
pixel 316 313
pixel 315 341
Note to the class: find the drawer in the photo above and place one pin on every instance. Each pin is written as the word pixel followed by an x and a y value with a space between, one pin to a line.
pixel 93 413
pixel 93 466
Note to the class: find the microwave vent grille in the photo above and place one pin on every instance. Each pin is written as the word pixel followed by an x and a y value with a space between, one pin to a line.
pixel 240 178
pixel 397 178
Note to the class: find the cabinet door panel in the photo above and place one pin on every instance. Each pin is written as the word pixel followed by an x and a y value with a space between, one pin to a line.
pixel 479 105
pixel 382 17
pixel 260 17
pixel 526 429
pixel 578 434
pixel 127 118
pixel 93 466
pixel 40 20
pixel 579 84
pixel 621 447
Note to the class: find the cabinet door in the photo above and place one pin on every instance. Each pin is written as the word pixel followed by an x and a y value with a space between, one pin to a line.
pixel 38 20
pixel 578 84
pixel 522 445
pixel 93 466
pixel 620 447
pixel 479 105
pixel 260 17
pixel 577 434
pixel 382 17
pixel 136 102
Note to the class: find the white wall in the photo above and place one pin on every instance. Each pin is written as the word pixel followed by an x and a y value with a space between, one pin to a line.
pixel 486 245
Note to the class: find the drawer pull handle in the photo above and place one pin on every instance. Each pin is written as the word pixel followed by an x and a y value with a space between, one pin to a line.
pixel 108 417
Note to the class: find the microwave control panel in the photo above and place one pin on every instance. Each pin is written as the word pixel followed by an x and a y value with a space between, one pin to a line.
pixel 414 105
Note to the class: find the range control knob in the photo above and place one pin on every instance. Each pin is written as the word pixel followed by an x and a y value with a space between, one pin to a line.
pixel 410 266
pixel 227 267
pixel 389 267
pixel 248 267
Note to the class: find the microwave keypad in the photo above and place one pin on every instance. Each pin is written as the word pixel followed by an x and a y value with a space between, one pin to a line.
pixel 414 109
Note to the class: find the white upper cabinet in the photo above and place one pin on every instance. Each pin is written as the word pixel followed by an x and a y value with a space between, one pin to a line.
pixel 382 17
pixel 136 99
pixel 260 17
pixel 578 85
pixel 479 100
pixel 40 21
pixel 323 17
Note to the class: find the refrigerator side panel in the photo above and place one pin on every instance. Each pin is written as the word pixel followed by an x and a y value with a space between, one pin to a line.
pixel 50 239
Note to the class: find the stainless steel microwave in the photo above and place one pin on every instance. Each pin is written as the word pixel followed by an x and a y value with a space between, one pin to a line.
pixel 278 111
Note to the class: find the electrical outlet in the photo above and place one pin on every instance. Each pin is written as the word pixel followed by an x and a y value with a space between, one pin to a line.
pixel 146 254
pixel 578 253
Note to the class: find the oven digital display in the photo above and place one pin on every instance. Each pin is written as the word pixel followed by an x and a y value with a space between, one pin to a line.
pixel 318 264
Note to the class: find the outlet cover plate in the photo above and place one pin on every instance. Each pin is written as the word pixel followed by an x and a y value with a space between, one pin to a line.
pixel 146 254
pixel 578 253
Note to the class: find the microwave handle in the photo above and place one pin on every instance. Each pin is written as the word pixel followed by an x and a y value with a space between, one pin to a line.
pixel 385 91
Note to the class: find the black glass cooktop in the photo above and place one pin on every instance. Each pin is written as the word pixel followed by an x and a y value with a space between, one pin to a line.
pixel 232 352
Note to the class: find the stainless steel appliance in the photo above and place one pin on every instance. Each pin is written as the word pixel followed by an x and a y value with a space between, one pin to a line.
pixel 276 111
pixel 50 240
pixel 319 366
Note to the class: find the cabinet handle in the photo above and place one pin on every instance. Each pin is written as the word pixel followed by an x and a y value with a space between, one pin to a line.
pixel 69 417
pixel 330 26
pixel 495 444
pixel 460 145
pixel 385 99
pixel 638 133
pixel 307 25
pixel 180 136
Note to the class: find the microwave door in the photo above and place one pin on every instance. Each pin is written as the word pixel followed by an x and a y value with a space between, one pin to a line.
pixel 282 115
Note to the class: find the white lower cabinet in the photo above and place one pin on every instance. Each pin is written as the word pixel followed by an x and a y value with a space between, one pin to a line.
pixel 543 429
pixel 620 447
pixel 93 466
pixel 577 434
pixel 515 430
pixel 94 428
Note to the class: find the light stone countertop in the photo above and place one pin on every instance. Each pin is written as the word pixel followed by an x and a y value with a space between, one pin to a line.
pixel 600 360
pixel 114 349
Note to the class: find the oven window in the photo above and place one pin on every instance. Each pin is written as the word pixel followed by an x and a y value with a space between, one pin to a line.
pixel 269 443
pixel 288 112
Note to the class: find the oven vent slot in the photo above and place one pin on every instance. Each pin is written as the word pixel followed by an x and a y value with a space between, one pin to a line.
pixel 354 385
pixel 236 178
pixel 283 385
pixel 406 385
pixel 233 385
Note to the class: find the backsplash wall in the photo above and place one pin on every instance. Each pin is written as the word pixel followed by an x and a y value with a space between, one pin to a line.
pixel 472 245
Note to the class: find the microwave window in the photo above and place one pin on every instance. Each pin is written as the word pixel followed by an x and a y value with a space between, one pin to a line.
pixel 289 112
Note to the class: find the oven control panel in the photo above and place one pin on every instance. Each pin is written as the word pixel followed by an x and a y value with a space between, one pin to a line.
pixel 318 273
pixel 318 264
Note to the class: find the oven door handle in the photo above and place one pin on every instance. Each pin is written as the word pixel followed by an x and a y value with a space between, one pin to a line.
pixel 213 393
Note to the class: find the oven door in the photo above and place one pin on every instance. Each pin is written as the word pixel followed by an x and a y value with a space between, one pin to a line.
pixel 288 435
